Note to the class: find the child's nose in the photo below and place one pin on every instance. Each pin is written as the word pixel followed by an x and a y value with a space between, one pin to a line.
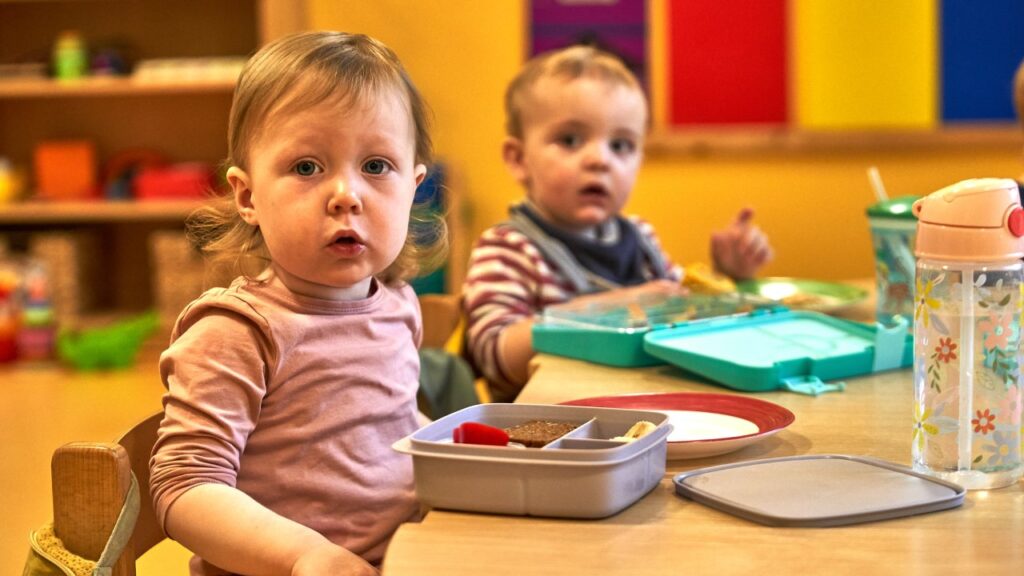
pixel 596 155
pixel 344 199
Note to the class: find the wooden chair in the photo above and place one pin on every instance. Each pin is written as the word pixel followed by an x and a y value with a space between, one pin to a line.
pixel 90 481
pixel 442 314
pixel 443 328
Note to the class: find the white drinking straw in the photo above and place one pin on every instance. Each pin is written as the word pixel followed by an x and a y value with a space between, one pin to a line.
pixel 876 183
pixel 897 245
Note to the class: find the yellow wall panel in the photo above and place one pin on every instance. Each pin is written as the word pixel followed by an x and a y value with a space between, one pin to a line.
pixel 865 63
pixel 811 204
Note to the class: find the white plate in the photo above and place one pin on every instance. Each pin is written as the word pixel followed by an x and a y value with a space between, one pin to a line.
pixel 704 424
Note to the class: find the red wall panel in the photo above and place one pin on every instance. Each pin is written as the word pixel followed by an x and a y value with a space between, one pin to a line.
pixel 727 62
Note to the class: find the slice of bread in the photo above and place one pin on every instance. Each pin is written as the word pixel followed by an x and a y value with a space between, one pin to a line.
pixel 537 433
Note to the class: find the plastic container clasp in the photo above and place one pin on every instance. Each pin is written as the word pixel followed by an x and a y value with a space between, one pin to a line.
pixel 811 385
pixel 889 341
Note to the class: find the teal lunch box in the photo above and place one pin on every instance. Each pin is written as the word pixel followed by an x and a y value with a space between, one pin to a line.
pixel 612 331
pixel 796 351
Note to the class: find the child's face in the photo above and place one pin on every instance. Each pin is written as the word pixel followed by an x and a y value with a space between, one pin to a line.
pixel 581 148
pixel 331 188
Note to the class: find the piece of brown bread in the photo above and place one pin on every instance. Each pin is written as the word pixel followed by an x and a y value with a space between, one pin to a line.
pixel 537 433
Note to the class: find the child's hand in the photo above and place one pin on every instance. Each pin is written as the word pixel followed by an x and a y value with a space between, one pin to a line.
pixel 328 558
pixel 739 250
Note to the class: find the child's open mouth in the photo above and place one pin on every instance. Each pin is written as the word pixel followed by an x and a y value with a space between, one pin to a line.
pixel 347 243
pixel 346 236
pixel 594 192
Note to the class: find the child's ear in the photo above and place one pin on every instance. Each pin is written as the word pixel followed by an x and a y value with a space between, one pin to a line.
pixel 241 187
pixel 512 152
pixel 421 172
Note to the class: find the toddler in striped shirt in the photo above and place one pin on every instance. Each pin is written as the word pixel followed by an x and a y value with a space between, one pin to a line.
pixel 576 123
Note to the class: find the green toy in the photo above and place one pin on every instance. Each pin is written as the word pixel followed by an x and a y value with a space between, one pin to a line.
pixel 112 346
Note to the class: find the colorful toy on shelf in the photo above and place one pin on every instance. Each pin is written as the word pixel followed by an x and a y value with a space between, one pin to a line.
pixel 119 171
pixel 65 169
pixel 108 62
pixel 114 346
pixel 9 316
pixel 70 60
pixel 11 181
pixel 149 174
pixel 36 336
pixel 182 180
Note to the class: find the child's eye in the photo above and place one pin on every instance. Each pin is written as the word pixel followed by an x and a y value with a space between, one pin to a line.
pixel 376 166
pixel 623 146
pixel 570 140
pixel 306 168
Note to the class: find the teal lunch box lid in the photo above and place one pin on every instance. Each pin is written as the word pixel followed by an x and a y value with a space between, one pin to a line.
pixel 901 208
pixel 611 332
pixel 796 351
pixel 621 348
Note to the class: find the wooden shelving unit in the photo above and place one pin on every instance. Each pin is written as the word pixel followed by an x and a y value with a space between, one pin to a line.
pixel 109 86
pixel 183 118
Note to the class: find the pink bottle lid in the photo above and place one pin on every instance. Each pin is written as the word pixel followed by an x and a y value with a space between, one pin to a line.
pixel 980 219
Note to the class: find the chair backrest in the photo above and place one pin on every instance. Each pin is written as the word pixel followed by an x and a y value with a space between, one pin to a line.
pixel 441 315
pixel 90 481
pixel 443 330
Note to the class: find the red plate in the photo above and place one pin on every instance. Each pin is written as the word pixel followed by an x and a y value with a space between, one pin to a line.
pixel 704 424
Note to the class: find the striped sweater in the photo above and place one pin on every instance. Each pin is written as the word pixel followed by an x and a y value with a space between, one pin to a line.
pixel 510 279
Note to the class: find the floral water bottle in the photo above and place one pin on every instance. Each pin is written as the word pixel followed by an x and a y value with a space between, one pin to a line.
pixel 967 332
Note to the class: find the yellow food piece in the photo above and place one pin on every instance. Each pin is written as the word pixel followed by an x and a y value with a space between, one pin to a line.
pixel 700 278
pixel 638 430
pixel 803 301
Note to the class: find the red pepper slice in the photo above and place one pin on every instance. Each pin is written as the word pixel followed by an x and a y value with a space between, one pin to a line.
pixel 477 433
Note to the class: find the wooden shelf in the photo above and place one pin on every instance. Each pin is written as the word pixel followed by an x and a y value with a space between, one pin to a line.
pixel 109 86
pixel 185 58
pixel 759 139
pixel 96 211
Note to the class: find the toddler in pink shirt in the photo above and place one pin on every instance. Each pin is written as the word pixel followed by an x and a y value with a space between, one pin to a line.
pixel 286 389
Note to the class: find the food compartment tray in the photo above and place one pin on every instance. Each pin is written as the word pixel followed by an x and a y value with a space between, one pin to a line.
pixel 580 475
pixel 597 427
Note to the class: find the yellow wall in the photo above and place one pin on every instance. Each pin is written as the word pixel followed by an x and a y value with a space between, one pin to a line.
pixel 462 52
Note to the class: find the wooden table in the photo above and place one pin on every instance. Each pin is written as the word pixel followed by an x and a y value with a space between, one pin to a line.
pixel 666 534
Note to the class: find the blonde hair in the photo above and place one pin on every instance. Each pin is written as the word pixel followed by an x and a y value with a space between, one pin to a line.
pixel 569 63
pixel 322 65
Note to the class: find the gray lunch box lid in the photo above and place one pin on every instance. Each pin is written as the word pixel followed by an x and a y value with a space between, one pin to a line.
pixel 818 490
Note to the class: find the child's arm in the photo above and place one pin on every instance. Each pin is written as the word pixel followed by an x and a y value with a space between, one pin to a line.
pixel 516 340
pixel 516 350
pixel 507 282
pixel 741 249
pixel 229 529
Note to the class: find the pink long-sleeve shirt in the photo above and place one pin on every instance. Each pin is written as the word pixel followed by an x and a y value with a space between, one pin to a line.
pixel 295 401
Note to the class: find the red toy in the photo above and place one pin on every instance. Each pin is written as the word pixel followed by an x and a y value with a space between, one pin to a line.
pixel 186 180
